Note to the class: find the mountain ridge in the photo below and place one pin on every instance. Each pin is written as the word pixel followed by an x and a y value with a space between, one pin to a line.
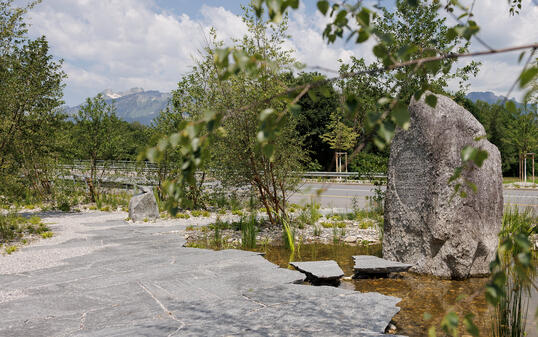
pixel 139 105
pixel 133 105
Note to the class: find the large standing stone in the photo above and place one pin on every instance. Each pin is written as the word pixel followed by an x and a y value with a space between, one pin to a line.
pixel 453 238
pixel 143 206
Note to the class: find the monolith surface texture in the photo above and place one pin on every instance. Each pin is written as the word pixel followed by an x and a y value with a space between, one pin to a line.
pixel 427 224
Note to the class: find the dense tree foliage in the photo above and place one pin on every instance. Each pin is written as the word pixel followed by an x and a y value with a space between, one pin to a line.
pixel 514 132
pixel 237 159
pixel 30 94
pixel 312 120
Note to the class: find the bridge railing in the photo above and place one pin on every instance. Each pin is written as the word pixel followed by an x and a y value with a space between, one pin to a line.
pixel 345 175
pixel 134 167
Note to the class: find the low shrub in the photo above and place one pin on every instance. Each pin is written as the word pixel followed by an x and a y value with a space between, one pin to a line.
pixel 337 224
pixel 200 213
pixel 47 235
pixel 11 249
pixel 183 215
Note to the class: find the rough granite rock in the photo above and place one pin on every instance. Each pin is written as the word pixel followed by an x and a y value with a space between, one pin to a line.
pixel 451 238
pixel 143 206
pixel 372 265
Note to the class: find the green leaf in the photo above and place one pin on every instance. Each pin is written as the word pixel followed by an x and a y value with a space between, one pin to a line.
pixel 378 142
pixel 521 56
pixel 524 258
pixel 323 7
pixel 363 36
pixel 456 174
pixel 480 156
pixel 384 100
pixel 467 153
pixel 412 3
pixel 266 113
pixel 293 4
pixel 450 322
pixel 386 131
pixel 261 136
pixel 257 5
pixel 364 17
pixel 268 150
pixel 313 96
pixel 352 104
pixel 527 75
pixel 221 56
pixel 294 108
pixel 406 50
pixel 470 326
pixel 431 100
pixel 325 91
pixel 471 185
pixel 510 106
pixel 380 51
pixel 341 19
pixel 152 154
pixel 400 113
pixel 451 34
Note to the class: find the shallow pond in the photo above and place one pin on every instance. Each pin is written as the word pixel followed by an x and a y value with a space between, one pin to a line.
pixel 420 294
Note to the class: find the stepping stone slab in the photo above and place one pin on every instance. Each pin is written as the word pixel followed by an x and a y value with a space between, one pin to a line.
pixel 373 265
pixel 320 271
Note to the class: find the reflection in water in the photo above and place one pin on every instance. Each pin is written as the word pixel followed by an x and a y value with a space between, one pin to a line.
pixel 419 294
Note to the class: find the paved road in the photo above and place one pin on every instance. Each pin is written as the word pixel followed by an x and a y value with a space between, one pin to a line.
pixel 138 280
pixel 342 195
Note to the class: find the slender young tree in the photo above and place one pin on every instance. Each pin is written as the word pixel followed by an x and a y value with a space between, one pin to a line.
pixel 96 137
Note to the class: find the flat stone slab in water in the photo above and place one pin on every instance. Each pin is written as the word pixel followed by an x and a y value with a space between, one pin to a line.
pixel 368 264
pixel 319 270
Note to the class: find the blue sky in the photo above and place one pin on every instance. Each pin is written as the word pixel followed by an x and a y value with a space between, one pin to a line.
pixel 120 44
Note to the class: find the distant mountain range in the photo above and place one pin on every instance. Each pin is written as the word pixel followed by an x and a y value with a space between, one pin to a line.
pixel 133 105
pixel 490 98
pixel 138 105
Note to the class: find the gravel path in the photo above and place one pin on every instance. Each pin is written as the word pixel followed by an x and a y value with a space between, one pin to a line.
pixel 103 276
pixel 44 253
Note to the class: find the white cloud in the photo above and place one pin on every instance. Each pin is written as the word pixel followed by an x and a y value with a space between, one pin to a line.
pixel 498 29
pixel 112 44
pixel 120 44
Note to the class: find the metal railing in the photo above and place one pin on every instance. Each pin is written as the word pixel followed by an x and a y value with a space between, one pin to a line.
pixel 343 175
pixel 134 167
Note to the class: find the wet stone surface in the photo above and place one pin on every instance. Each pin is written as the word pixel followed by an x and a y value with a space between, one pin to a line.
pixel 320 272
pixel 140 281
pixel 366 265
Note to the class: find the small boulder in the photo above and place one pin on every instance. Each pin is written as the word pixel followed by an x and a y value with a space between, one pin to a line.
pixel 143 206
pixel 350 239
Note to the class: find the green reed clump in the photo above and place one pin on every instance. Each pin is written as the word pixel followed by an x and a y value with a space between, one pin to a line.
pixel 217 234
pixel 288 233
pixel 249 229
pixel 515 260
